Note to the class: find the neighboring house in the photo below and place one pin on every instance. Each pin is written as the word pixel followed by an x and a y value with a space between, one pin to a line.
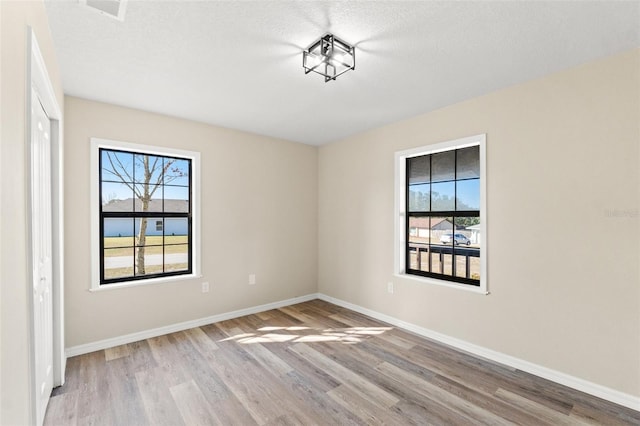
pixel 475 233
pixel 420 226
pixel 124 227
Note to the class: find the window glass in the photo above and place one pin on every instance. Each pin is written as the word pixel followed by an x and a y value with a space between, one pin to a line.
pixel 443 166
pixel 152 235
pixel 468 194
pixel 149 260
pixel 146 227
pixel 176 199
pixel 468 163
pixel 443 201
pixel 419 197
pixel 118 232
pixel 419 169
pixel 116 166
pixel 177 173
pixel 443 196
pixel 154 196
pixel 175 258
pixel 117 197
pixel 148 169
pixel 177 228
pixel 118 263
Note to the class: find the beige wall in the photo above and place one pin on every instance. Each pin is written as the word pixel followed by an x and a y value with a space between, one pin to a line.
pixel 259 215
pixel 15 17
pixel 563 161
pixel 563 226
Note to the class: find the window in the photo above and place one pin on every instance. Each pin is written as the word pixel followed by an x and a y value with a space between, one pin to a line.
pixel 440 208
pixel 146 213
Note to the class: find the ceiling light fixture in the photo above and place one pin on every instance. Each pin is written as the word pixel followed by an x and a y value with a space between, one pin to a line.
pixel 329 57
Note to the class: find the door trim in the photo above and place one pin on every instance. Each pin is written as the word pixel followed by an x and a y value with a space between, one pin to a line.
pixel 39 80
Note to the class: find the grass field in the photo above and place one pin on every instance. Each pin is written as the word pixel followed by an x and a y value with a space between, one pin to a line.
pixel 446 267
pixel 124 246
pixel 154 245
pixel 154 269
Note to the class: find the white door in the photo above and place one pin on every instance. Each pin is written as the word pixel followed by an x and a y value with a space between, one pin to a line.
pixel 41 254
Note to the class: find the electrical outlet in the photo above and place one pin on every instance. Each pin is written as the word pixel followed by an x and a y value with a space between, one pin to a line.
pixel 252 279
pixel 205 287
pixel 390 287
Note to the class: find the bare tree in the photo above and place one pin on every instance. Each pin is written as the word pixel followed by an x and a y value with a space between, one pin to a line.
pixel 109 198
pixel 155 174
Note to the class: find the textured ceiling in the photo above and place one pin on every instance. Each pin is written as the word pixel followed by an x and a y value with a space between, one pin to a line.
pixel 239 64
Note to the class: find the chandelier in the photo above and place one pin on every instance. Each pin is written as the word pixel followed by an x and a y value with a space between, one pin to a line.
pixel 329 57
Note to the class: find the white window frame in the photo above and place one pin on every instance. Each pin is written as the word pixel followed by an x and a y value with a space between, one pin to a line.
pixel 400 211
pixel 96 144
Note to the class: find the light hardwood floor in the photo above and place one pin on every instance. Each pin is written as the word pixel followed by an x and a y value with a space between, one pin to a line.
pixel 311 363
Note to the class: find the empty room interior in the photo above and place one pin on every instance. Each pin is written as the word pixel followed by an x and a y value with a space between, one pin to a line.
pixel 323 212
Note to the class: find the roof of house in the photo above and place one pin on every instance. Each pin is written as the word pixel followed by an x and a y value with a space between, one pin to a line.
pixel 174 206
pixel 423 222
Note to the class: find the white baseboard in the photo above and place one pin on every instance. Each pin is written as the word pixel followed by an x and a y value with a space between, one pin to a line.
pixel 155 332
pixel 591 388
pixel 594 389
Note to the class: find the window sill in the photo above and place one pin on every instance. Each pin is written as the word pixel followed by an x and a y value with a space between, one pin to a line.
pixel 443 283
pixel 162 280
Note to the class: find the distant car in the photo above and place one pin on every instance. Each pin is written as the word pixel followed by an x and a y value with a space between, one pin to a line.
pixel 457 239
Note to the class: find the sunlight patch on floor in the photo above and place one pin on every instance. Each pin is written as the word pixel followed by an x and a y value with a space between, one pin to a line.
pixel 348 335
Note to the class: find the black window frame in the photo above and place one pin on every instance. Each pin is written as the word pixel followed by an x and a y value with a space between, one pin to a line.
pixel 454 250
pixel 135 215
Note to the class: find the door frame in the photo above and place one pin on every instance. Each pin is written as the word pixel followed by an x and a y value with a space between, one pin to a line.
pixel 38 79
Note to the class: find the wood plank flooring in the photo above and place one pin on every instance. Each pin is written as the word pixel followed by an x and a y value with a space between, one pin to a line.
pixel 310 364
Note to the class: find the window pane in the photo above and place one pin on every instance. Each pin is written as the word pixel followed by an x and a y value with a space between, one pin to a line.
pixel 116 197
pixel 177 173
pixel 176 199
pixel 446 262
pixel 474 268
pixel 148 168
pixel 468 165
pixel 419 168
pixel 134 184
pixel 154 197
pixel 420 257
pixel 443 166
pixel 418 239
pixel 419 230
pixel 443 196
pixel 419 243
pixel 446 184
pixel 148 260
pixel 468 194
pixel 468 262
pixel 116 166
pixel 469 228
pixel 468 247
pixel 152 236
pixel 118 232
pixel 441 260
pixel 176 227
pixel 176 258
pixel 118 263
pixel 442 230
pixel 419 198
pixel 442 245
